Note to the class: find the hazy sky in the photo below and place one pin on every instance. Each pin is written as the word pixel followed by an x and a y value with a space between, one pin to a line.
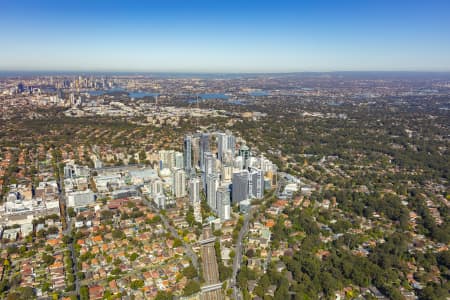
pixel 225 36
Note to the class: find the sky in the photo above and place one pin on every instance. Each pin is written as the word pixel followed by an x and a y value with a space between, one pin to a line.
pixel 225 36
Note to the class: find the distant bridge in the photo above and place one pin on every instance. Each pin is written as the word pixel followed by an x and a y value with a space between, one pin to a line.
pixel 207 241
pixel 211 287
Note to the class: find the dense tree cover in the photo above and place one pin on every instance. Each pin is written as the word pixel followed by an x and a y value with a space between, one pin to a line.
pixel 48 259
pixel 313 276
pixel 190 272
pixel 192 287
pixel 23 293
pixel 385 267
pixel 440 233
pixel 435 291
pixel 244 275
pixel 137 284
pixel 389 162
pixel 371 134
pixel 84 293
pixel 163 295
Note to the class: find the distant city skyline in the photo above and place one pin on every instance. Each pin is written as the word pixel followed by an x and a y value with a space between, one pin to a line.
pixel 225 37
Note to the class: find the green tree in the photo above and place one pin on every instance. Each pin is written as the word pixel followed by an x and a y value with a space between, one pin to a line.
pixel 71 212
pixel 84 293
pixel 190 272
pixel 48 259
pixel 163 295
pixel 191 288
pixel 134 256
pixel 137 284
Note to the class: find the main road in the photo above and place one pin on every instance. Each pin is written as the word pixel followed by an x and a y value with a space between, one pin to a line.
pixel 239 247
pixel 67 222
pixel 238 254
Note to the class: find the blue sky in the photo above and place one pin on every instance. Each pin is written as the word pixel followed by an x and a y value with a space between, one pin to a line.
pixel 225 36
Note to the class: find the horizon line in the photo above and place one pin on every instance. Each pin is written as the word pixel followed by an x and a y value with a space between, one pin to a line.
pixel 218 72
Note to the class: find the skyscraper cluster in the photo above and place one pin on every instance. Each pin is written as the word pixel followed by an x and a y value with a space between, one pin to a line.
pixel 225 171
pixel 216 167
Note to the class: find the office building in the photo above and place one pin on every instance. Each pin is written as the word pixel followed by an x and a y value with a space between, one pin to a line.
pixel 223 203
pixel 160 201
pixel 166 159
pixel 187 147
pixel 212 183
pixel 179 183
pixel 226 145
pixel 204 147
pixel 194 190
pixel 210 163
pixel 239 186
pixel 231 145
pixel 221 145
pixel 256 183
pixel 157 187
pixel 80 199
pixel 194 198
pixel 179 163
pixel 195 151
pixel 124 192
pixel 72 170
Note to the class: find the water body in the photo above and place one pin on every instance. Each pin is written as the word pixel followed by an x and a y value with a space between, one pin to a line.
pixel 259 93
pixel 210 96
pixel 234 102
pixel 135 95
pixel 214 96
pixel 103 92
pixel 142 94
pixel 96 93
